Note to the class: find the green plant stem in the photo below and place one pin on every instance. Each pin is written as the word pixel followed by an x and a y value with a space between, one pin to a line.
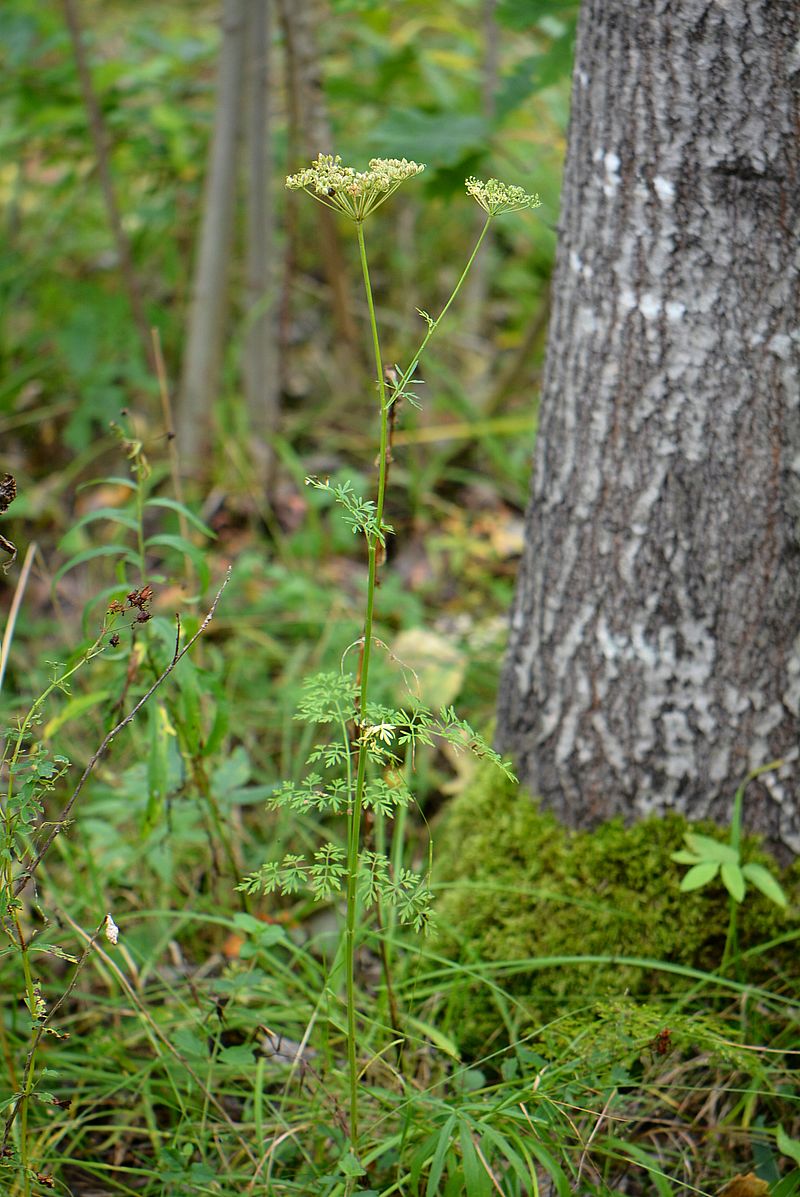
pixel 434 324
pixel 374 544
pixel 731 949
pixel 354 821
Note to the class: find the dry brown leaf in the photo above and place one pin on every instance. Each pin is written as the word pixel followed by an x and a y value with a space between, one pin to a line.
pixel 748 1185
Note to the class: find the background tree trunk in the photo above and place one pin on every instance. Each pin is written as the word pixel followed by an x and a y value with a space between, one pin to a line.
pixel 208 307
pixel 309 135
pixel 654 656
pixel 260 341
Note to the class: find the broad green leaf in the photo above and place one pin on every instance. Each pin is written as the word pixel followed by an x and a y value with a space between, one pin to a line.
pixel 443 138
pixel 173 505
pixel 787 1146
pixel 431 663
pixel 699 876
pixel 103 550
pixel 157 765
pixel 73 710
pixel 239 1055
pixel 709 849
pixel 763 880
pixel 114 515
pixel 788 1186
pixel 733 880
pixel 167 541
pixel 684 857
pixel 232 773
pixel 113 480
pixel 435 1036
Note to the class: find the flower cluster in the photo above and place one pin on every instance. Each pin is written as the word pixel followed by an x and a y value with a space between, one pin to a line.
pixel 496 197
pixel 356 193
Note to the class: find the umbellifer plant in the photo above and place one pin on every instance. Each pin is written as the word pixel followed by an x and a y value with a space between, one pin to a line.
pixel 352 766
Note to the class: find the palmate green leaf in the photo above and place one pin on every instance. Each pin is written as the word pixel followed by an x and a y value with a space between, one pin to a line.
pixel 763 880
pixel 706 848
pixel 699 876
pixel 733 880
pixel 684 857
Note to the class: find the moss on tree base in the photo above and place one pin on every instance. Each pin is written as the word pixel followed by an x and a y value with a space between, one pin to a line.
pixel 519 889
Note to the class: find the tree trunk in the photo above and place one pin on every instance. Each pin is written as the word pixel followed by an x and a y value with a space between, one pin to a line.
pixel 203 356
pixel 260 342
pixel 309 135
pixel 654 656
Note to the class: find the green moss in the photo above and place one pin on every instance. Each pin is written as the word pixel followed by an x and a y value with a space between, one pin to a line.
pixel 518 887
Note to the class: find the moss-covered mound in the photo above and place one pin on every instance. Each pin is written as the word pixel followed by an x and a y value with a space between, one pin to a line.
pixel 518 887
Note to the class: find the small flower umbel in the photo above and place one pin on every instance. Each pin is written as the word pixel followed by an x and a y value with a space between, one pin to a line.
pixel 496 197
pixel 355 193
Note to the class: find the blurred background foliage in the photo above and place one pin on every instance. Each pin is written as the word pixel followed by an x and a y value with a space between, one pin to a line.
pixel 476 86
pixel 466 88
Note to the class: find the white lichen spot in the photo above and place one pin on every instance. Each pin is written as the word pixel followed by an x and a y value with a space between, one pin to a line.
pixel 575 262
pixel 674 310
pixel 649 306
pixel 781 346
pixel 583 78
pixel 585 321
pixel 612 748
pixel 734 701
pixel 664 189
pixel 611 161
pixel 627 299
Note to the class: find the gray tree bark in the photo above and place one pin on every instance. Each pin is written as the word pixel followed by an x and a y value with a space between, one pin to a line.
pixel 208 307
pixel 654 656
pixel 260 339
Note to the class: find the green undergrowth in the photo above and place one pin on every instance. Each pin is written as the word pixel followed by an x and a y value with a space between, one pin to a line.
pixel 526 895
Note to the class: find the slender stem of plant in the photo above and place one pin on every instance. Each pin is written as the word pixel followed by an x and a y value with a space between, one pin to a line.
pixel 432 327
pixel 374 543
pixel 354 822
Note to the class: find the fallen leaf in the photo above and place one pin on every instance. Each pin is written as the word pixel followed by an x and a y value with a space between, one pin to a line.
pixel 748 1185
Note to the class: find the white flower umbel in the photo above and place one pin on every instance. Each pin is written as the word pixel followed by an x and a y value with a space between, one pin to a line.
pixel 496 197
pixel 355 193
